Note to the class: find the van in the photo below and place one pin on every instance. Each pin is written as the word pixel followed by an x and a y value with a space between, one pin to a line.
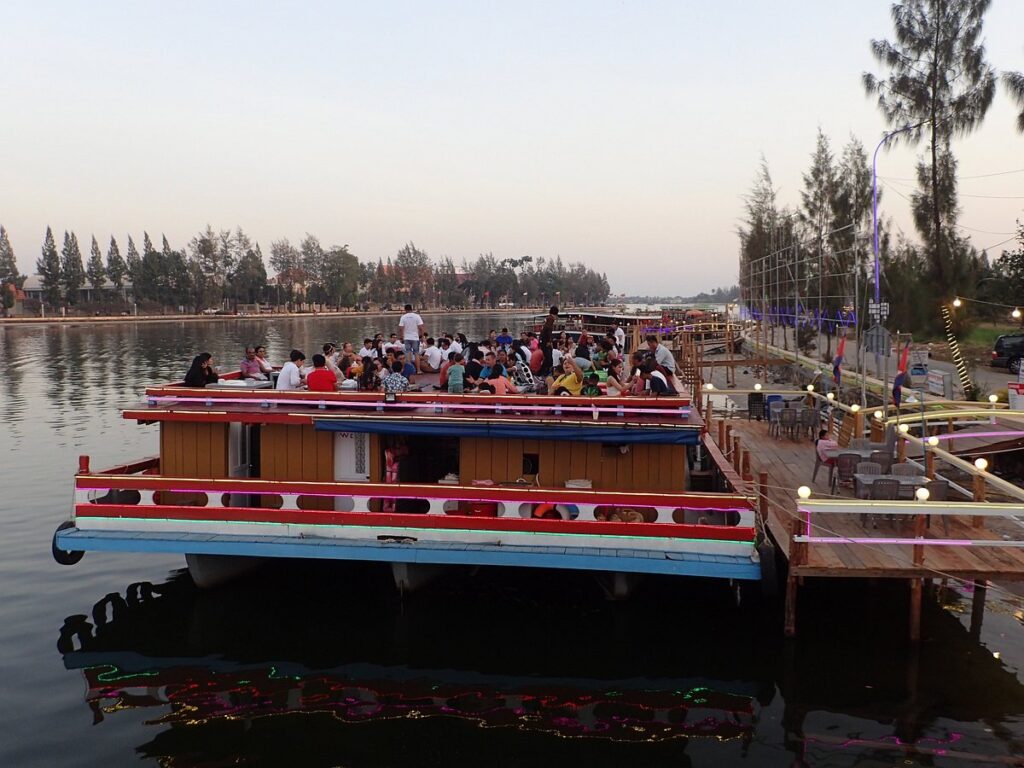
pixel 1008 351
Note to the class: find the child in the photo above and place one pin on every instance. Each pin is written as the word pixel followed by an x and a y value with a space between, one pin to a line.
pixel 456 374
pixel 592 388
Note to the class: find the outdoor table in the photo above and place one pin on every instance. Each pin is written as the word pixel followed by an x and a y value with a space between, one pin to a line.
pixel 862 483
pixel 864 453
pixel 240 384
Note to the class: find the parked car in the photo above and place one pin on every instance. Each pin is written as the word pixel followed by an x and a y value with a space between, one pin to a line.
pixel 1008 351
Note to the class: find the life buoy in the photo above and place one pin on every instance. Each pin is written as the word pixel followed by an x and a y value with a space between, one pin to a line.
pixel 65 556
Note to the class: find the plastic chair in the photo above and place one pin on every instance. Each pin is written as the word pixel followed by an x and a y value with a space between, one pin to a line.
pixel 810 420
pixel 788 421
pixel 905 470
pixel 865 468
pixel 883 459
pixel 755 406
pixel 938 490
pixel 846 466
pixel 885 489
pixel 775 410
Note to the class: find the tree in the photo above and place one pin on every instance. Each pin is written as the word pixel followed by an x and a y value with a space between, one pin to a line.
pixel 938 85
pixel 133 265
pixel 1014 83
pixel 249 280
pixel 286 262
pixel 339 277
pixel 116 268
pixel 208 252
pixel 48 268
pixel 11 280
pixel 94 269
pixel 1009 271
pixel 72 272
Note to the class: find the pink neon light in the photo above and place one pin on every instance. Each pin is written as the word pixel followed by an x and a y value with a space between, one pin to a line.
pixel 958 435
pixel 425 405
pixel 271 492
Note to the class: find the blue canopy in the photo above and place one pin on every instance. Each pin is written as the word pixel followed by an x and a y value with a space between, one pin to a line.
pixel 607 433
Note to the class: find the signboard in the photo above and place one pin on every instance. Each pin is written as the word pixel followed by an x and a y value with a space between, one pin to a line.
pixel 940 383
pixel 878 341
pixel 1015 394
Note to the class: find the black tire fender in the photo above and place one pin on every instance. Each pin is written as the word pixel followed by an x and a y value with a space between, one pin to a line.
pixel 64 556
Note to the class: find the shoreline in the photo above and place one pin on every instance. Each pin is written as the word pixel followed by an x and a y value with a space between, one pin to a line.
pixel 108 319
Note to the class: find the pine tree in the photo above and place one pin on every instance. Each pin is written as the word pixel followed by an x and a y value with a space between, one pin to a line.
pixel 71 270
pixel 940 86
pixel 116 268
pixel 133 266
pixel 10 279
pixel 1014 83
pixel 95 270
pixel 48 268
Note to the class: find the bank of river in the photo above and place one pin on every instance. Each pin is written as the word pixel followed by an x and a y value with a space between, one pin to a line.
pixel 321 664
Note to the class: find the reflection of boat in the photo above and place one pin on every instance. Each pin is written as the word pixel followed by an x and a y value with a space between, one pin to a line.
pixel 135 652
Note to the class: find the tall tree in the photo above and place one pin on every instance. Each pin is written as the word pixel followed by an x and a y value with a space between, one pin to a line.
pixel 1014 83
pixel 48 267
pixel 10 279
pixel 116 268
pixel 940 86
pixel 286 262
pixel 95 270
pixel 249 279
pixel 133 264
pixel 206 263
pixel 72 272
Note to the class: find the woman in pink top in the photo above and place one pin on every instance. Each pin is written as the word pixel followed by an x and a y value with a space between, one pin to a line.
pixel 500 382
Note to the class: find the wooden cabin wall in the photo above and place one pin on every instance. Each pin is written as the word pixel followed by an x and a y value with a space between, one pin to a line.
pixel 190 449
pixel 298 452
pixel 642 468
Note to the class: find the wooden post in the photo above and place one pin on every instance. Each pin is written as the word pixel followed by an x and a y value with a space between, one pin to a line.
pixel 792 580
pixel 978 607
pixel 745 465
pixel 929 463
pixel 721 435
pixel 736 453
pixel 858 424
pixel 915 610
pixel 901 449
pixel 762 497
pixel 979 496
pixel 919 522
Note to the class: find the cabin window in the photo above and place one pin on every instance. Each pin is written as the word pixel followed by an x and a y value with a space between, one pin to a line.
pixel 531 464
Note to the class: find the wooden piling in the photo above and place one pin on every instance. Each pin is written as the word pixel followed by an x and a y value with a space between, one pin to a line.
pixel 762 497
pixel 736 453
pixel 979 495
pixel 916 583
pixel 745 465
pixel 929 464
pixel 721 435
pixel 978 607
pixel 793 580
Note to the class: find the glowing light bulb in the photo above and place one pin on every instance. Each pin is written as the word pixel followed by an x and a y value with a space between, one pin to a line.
pixel 957 303
pixel 904 428
pixel 993 399
pixel 757 387
pixel 981 464
pixel 922 494
pixel 855 407
pixel 709 386
pixel 803 492
pixel 879 415
pixel 810 387
pixel 1015 314
pixel 831 396
pixel 933 441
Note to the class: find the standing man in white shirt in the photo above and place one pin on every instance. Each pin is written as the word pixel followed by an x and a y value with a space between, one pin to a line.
pixel 410 326
pixel 291 376
pixel 620 335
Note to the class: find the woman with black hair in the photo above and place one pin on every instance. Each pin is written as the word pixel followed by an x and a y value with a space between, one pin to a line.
pixel 201 373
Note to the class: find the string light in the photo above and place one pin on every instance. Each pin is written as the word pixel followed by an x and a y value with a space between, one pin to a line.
pixel 957 303
pixel 810 387
pixel 757 387
pixel 831 396
pixel 993 399
pixel 981 463
pixel 879 415
pixel 803 492
pixel 904 428
pixel 855 407
pixel 933 441
pixel 922 494
pixel 1016 313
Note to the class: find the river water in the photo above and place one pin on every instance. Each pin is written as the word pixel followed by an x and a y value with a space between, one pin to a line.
pixel 119 660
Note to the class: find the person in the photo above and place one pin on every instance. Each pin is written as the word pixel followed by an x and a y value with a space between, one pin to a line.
pixel 593 387
pixel 331 360
pixel 537 359
pixel 368 381
pixel 458 344
pixel 603 355
pixel 321 378
pixel 261 356
pixel 368 349
pixel 456 374
pixel 201 372
pixel 490 360
pixel 619 334
pixel 500 383
pixel 410 325
pixel 505 338
pixel 570 382
pixel 432 357
pixel 408 369
pixel 614 384
pixel 475 366
pixel 548 331
pixel 661 354
pixel 250 367
pixel 393 344
pixel 823 445
pixel 656 381
pixel 582 353
pixel 395 381
pixel 291 375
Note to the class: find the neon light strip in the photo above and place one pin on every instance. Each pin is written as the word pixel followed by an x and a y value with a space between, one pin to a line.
pixel 975 509
pixel 377 529
pixel 914 542
pixel 958 435
pixel 683 410
pixel 531 500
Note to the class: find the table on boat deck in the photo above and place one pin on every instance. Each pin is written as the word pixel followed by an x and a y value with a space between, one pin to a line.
pixel 241 384
pixel 862 483
pixel 863 453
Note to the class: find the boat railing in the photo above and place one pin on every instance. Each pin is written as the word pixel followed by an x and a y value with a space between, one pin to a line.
pixel 523 505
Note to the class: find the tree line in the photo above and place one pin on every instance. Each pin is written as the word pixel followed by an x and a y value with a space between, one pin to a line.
pixel 935 85
pixel 219 268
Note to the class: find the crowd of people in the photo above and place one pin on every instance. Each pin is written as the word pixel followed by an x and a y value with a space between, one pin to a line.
pixel 544 361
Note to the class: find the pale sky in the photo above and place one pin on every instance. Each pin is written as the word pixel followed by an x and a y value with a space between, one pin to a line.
pixel 620 134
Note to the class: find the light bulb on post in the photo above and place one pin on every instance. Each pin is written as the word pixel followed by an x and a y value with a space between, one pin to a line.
pixel 879 415
pixel 904 428
pixel 855 407
pixel 957 303
pixel 981 464
pixel 1016 313
pixel 757 387
pixel 831 396
pixel 810 387
pixel 993 399
pixel 922 494
pixel 803 492
pixel 933 441
pixel 708 387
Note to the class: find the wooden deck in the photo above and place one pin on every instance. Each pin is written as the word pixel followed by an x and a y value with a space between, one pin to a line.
pixel 790 464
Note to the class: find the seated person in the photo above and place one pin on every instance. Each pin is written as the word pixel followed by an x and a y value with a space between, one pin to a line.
pixel 500 383
pixel 291 374
pixel 408 369
pixel 582 353
pixel 536 359
pixel 455 374
pixel 201 372
pixel 569 382
pixel 593 387
pixel 321 378
pixel 261 356
pixel 490 360
pixel 250 367
pixel 823 445
pixel 430 357
pixel 368 381
pixel 331 360
pixel 614 384
pixel 655 380
pixel 368 350
pixel 395 381
pixel 475 367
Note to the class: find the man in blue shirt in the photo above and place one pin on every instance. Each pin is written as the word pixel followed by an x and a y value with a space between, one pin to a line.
pixel 505 338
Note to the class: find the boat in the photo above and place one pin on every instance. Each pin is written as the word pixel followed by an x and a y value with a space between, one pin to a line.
pixel 597 323
pixel 621 486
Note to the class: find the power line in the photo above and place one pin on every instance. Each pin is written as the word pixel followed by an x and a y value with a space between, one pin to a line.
pixel 961 178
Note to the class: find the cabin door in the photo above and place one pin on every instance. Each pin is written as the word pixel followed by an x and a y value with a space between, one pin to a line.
pixel 239 457
pixel 351 457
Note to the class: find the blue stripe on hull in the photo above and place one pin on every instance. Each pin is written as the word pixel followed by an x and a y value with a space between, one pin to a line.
pixel 440 553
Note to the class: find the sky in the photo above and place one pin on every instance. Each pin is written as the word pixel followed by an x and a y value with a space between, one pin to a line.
pixel 619 134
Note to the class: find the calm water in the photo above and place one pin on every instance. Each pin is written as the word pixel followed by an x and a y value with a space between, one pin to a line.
pixel 119 660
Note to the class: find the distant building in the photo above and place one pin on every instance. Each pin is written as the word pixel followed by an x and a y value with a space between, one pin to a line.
pixel 33 289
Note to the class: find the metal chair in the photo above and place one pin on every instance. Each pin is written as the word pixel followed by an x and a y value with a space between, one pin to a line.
pixel 883 459
pixel 755 406
pixel 788 421
pixel 810 421
pixel 865 468
pixel 905 470
pixel 846 466
pixel 885 489
pixel 775 408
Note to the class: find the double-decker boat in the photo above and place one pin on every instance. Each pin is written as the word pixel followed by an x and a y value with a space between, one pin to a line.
pixel 420 480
